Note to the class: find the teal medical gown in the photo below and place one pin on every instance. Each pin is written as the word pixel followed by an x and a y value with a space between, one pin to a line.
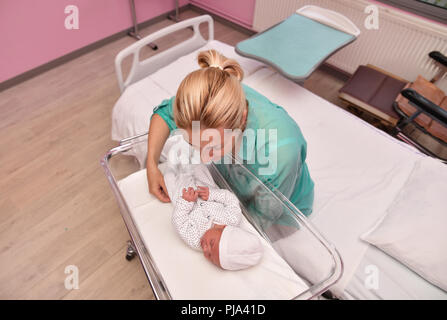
pixel 289 174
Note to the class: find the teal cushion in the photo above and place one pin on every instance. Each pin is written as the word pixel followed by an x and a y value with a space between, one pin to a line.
pixel 295 46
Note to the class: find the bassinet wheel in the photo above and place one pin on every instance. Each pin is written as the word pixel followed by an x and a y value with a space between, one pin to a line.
pixel 131 252
pixel 130 256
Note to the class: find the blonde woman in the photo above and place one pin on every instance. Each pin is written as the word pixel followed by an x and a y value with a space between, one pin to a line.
pixel 215 98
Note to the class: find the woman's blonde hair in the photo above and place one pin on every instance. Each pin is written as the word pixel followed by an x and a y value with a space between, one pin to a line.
pixel 212 94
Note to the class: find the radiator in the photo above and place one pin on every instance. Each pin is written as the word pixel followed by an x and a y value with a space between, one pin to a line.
pixel 400 45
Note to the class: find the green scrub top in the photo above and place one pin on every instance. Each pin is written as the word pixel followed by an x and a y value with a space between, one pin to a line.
pixel 291 176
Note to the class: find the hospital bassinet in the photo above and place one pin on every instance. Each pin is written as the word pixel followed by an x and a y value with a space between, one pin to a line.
pixel 175 271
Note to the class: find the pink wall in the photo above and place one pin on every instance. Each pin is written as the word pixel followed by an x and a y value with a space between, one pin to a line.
pixel 33 32
pixel 238 11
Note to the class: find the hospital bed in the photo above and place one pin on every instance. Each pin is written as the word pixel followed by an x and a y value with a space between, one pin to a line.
pixel 359 172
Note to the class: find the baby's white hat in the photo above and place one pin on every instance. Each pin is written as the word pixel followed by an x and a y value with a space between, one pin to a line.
pixel 239 249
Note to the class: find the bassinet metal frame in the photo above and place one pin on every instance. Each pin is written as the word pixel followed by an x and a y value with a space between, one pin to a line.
pixel 139 70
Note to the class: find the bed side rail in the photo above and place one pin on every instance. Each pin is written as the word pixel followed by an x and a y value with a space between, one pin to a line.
pixel 141 69
pixel 133 138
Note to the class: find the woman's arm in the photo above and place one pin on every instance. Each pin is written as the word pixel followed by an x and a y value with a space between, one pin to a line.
pixel 158 134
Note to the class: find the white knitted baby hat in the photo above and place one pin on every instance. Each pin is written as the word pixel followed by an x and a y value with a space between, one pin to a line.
pixel 239 249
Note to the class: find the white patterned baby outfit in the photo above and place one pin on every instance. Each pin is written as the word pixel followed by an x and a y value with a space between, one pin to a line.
pixel 193 219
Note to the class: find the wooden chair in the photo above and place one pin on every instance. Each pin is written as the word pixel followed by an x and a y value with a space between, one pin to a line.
pixel 413 112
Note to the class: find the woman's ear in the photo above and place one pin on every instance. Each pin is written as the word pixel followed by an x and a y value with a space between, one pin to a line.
pixel 244 116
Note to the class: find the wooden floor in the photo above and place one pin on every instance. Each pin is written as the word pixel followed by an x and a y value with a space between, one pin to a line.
pixel 56 207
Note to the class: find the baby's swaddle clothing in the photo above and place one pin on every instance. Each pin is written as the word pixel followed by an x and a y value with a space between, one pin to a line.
pixel 193 219
pixel 238 248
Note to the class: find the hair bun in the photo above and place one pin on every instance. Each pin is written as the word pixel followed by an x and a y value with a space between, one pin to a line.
pixel 213 58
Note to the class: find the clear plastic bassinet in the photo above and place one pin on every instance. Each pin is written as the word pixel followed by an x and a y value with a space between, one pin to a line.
pixel 289 232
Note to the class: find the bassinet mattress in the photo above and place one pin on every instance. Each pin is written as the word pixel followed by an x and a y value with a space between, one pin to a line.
pixel 186 272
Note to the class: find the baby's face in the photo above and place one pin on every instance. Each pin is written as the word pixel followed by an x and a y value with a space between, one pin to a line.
pixel 210 244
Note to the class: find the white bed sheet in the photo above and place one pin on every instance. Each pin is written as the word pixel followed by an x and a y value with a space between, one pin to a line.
pixel 394 281
pixel 358 170
pixel 186 272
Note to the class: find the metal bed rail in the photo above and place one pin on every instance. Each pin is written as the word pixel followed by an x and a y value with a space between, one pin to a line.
pixel 152 273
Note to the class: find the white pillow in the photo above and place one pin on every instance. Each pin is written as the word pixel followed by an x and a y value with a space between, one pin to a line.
pixel 414 229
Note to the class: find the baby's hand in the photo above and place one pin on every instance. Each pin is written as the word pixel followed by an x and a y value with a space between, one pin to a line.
pixel 190 194
pixel 203 192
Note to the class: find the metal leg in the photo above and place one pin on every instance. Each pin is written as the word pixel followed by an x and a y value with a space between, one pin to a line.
pixel 134 33
pixel 174 18
pixel 130 252
pixel 439 75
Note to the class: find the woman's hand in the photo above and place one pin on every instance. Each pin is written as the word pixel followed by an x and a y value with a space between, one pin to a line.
pixel 203 192
pixel 158 134
pixel 190 195
pixel 157 185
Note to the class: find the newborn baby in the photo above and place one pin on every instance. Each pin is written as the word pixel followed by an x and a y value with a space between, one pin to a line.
pixel 208 218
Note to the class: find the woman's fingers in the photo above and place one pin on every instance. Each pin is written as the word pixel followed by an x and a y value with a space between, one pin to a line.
pixel 164 191
pixel 161 194
pixel 157 186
